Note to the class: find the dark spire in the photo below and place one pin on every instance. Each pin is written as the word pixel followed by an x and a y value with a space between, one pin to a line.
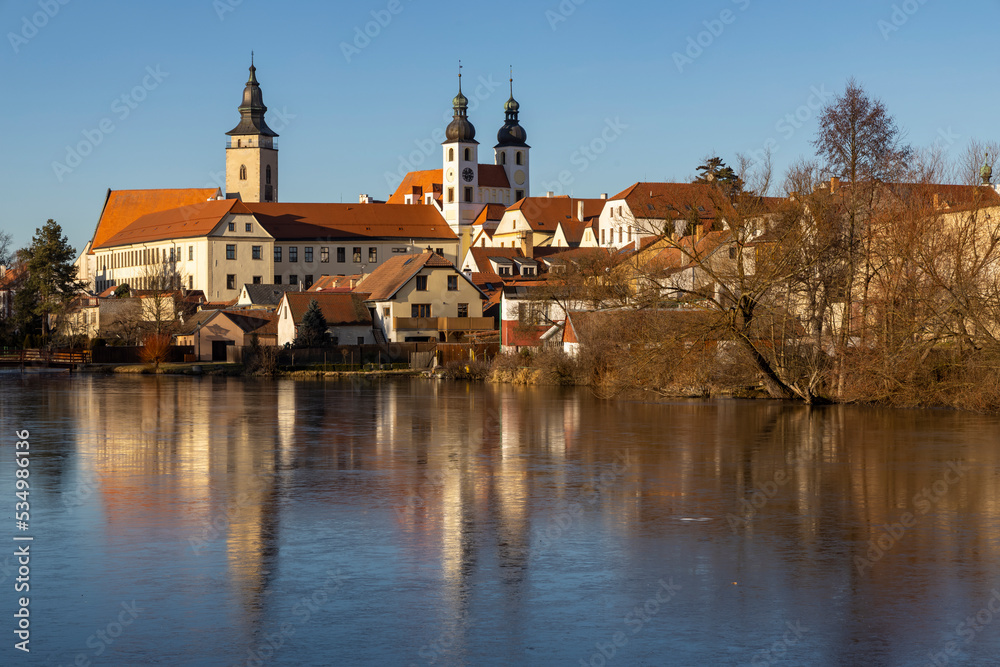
pixel 460 128
pixel 252 109
pixel 511 134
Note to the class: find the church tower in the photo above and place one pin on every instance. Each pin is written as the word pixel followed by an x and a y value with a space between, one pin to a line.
pixel 461 165
pixel 511 151
pixel 251 154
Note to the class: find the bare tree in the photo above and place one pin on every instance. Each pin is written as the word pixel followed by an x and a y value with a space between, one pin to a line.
pixel 976 155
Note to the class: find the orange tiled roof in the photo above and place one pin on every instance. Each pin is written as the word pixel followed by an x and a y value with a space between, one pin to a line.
pixel 481 257
pixel 335 283
pixel 671 201
pixel 177 223
pixel 287 222
pixel 490 213
pixel 493 176
pixel 419 182
pixel 339 308
pixel 543 214
pixel 383 283
pixel 123 207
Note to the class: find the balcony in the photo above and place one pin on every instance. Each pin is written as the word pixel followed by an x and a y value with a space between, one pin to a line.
pixel 442 324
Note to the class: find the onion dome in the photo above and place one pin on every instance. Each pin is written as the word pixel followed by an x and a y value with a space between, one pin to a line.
pixel 460 128
pixel 511 134
pixel 987 171
pixel 252 109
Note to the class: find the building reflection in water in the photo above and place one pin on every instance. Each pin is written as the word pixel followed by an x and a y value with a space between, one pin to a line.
pixel 492 483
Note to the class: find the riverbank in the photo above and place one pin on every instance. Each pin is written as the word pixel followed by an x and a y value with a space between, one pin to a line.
pixel 238 370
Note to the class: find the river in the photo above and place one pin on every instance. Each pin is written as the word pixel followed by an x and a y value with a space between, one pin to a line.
pixel 222 521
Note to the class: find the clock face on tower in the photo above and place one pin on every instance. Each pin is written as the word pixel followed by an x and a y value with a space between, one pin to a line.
pixel 467 174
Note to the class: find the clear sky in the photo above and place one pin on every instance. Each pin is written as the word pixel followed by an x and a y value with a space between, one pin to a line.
pixel 649 88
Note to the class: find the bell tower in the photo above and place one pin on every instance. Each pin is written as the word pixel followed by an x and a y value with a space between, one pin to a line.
pixel 511 151
pixel 251 153
pixel 461 165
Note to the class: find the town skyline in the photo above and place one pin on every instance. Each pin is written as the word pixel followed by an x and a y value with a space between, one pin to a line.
pixel 164 105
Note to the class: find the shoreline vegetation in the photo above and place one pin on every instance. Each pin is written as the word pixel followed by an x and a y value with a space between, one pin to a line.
pixel 965 384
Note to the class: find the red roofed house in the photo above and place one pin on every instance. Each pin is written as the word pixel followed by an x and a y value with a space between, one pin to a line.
pixel 533 222
pixel 213 332
pixel 648 209
pixel 348 319
pixel 419 298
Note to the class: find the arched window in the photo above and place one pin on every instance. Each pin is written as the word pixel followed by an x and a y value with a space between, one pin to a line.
pixel 451 155
pixel 468 154
pixel 268 176
pixel 239 143
pixel 520 157
pixel 503 158
pixel 243 172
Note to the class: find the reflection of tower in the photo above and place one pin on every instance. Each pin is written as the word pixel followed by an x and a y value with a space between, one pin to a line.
pixel 251 156
pixel 461 165
pixel 511 151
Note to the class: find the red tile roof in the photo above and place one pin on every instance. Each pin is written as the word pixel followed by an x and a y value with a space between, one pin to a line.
pixel 481 257
pixel 490 213
pixel 493 176
pixel 176 223
pixel 671 201
pixel 287 222
pixel 383 283
pixel 335 283
pixel 544 213
pixel 123 207
pixel 254 321
pixel 339 309
pixel 419 183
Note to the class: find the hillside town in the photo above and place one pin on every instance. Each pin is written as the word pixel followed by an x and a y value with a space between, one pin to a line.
pixel 868 260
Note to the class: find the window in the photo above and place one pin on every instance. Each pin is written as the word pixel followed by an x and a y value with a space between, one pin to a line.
pixel 258 280
pixel 421 283
pixel 451 195
pixel 277 253
pixel 324 255
pixel 385 312
pixel 341 255
pixel 172 258
pixel 190 253
pixel 361 340
pixel 420 310
pixel 468 195
pixel 309 282
pixel 309 255
pixel 518 195
pixel 293 279
pixel 249 227
pixel 630 233
pixel 619 235
pixel 519 158
pixel 468 154
pixel 267 178
pixel 190 282
pixel 293 254
pixel 602 237
pixel 732 252
pixel 463 310
pixel 230 281
pixel 451 155
pixel 373 255
pixel 277 280
pixel 232 226
pixel 503 158
pixel 452 283
pixel 356 252
pixel 230 251
pixel 256 252
pixel 243 172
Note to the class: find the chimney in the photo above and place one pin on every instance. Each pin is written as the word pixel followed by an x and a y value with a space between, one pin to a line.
pixel 604 195
pixel 550 194
pixel 579 210
pixel 937 201
pixel 834 184
pixel 527 249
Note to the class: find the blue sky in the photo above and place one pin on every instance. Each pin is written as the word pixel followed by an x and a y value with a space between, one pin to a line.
pixel 588 73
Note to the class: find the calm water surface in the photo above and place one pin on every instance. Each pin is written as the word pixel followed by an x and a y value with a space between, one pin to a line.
pixel 227 522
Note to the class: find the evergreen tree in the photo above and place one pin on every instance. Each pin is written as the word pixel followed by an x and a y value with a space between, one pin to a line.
pixel 717 172
pixel 50 282
pixel 312 331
